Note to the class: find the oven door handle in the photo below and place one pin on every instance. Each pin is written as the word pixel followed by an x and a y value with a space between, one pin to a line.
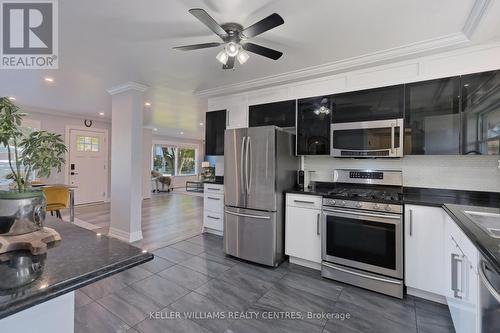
pixel 385 216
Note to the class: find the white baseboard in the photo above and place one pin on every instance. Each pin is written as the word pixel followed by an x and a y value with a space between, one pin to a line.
pixel 125 236
pixel 305 263
pixel 213 231
pixel 426 295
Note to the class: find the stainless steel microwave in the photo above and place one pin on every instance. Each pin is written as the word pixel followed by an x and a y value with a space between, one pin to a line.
pixel 376 138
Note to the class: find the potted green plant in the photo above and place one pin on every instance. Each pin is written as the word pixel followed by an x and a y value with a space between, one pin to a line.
pixel 22 208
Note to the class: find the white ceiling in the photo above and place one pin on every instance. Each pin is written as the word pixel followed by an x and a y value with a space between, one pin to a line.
pixel 105 43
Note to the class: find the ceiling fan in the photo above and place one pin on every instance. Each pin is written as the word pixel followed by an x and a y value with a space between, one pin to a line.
pixel 234 38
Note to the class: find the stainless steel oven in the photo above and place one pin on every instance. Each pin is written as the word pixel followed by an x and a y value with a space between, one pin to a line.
pixel 377 138
pixel 364 248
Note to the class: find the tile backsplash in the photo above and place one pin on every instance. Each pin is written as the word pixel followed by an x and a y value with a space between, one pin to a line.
pixel 478 173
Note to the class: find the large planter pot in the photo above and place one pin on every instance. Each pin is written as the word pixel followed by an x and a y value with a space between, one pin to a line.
pixel 21 213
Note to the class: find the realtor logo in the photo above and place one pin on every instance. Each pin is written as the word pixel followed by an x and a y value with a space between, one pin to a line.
pixel 29 38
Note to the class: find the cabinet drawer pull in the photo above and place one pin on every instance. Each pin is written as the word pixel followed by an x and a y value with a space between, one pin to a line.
pixel 304 202
pixel 213 198
pixel 213 217
pixel 213 189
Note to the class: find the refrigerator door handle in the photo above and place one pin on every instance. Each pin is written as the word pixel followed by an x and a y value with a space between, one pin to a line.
pixel 249 161
pixel 242 160
pixel 260 217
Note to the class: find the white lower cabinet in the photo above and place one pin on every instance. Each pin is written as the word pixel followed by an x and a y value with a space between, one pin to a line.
pixel 303 229
pixel 213 208
pixel 440 260
pixel 424 248
pixel 461 279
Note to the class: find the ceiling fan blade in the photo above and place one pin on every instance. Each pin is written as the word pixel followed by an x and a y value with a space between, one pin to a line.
pixel 229 64
pixel 263 51
pixel 196 46
pixel 208 20
pixel 270 22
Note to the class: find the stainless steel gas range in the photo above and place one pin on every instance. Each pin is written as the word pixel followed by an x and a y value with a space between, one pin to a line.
pixel 362 238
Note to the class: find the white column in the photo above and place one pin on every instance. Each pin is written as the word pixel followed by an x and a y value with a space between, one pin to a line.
pixel 127 162
pixel 147 160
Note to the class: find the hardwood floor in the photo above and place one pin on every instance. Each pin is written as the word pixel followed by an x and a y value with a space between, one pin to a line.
pixel 167 218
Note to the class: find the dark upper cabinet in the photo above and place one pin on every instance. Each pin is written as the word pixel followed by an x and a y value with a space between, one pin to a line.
pixel 281 114
pixel 371 104
pixel 432 117
pixel 481 113
pixel 215 125
pixel 313 125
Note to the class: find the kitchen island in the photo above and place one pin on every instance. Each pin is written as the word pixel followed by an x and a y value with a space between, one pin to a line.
pixel 37 292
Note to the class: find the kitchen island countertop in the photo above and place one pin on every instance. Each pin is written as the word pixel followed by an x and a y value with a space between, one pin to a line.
pixel 80 258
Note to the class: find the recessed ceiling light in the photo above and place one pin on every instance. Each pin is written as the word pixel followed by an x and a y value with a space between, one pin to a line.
pixel 201 124
pixel 12 98
pixel 101 113
pixel 49 79
pixel 182 133
pixel 147 104
pixel 155 129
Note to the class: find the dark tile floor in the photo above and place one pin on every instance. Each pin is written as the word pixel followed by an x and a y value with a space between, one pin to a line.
pixel 194 277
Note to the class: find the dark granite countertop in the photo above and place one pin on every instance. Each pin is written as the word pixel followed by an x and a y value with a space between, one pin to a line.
pixel 454 202
pixel 439 197
pixel 80 258
pixel 488 246
pixel 432 196
pixel 219 180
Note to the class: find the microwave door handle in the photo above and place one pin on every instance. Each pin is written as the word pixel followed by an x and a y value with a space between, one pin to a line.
pixel 392 138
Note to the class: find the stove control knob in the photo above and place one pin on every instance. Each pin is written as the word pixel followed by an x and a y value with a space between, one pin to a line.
pixel 342 203
pixel 376 206
pixel 359 205
pixel 333 202
pixel 388 208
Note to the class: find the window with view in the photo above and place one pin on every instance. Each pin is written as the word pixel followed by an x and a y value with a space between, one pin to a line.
pixel 174 161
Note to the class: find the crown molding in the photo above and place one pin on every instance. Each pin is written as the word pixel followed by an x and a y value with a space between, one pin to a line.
pixel 128 86
pixel 60 113
pixel 478 12
pixel 433 45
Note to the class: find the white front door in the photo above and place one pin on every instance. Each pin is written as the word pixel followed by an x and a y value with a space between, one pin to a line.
pixel 88 165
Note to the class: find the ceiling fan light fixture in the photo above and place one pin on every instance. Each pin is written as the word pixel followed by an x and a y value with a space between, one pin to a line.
pixel 223 57
pixel 242 56
pixel 232 49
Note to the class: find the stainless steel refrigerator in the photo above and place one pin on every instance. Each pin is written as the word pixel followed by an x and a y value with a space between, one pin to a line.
pixel 259 164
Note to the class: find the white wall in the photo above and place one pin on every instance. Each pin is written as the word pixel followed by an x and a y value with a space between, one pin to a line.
pixel 456 172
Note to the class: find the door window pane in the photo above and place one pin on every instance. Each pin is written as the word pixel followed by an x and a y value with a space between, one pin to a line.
pixel 87 143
